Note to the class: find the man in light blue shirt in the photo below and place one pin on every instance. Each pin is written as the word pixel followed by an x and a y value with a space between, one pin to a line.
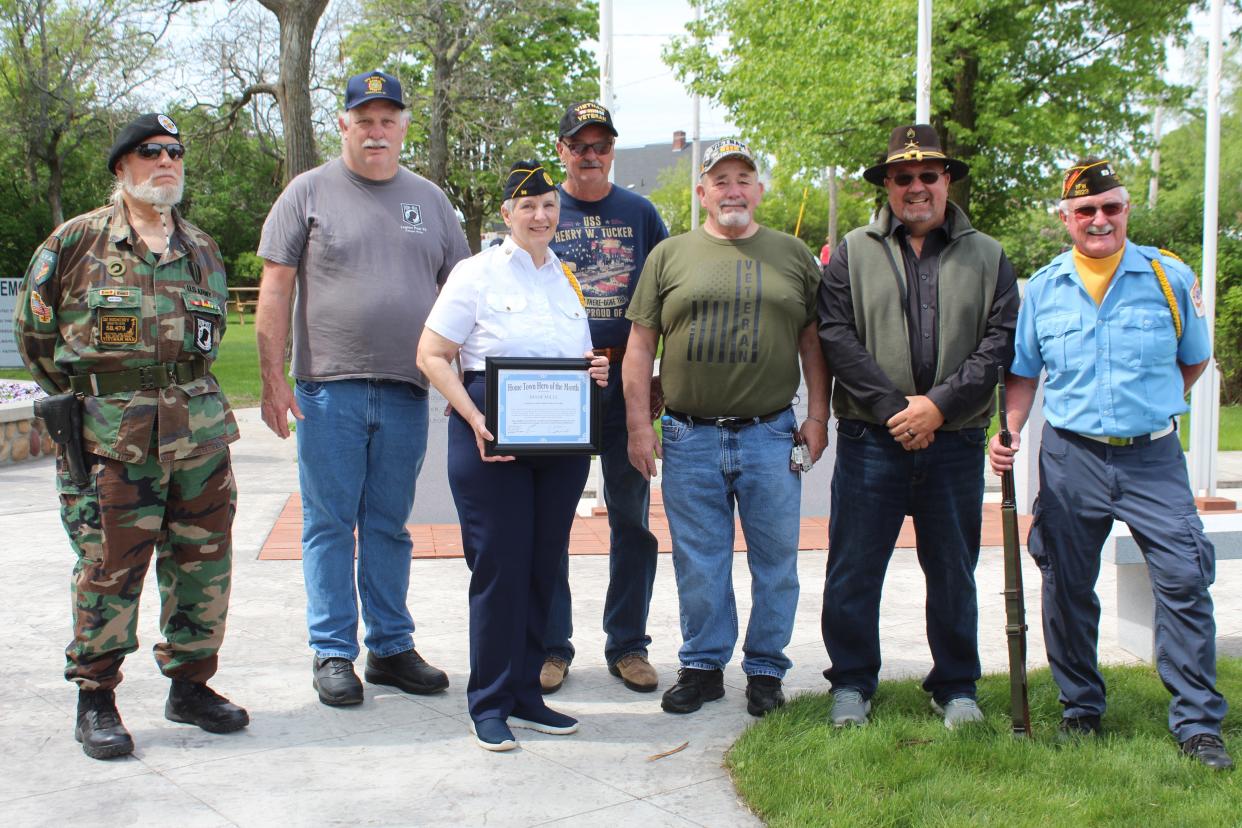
pixel 1121 331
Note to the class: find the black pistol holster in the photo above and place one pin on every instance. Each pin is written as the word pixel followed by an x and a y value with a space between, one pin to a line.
pixel 62 414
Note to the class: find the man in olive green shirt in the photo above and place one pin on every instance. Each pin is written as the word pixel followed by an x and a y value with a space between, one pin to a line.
pixel 735 303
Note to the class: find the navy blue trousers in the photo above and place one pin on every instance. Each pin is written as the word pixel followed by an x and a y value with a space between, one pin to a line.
pixel 515 521
pixel 1083 487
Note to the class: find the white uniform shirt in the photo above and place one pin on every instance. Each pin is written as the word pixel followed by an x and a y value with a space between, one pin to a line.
pixel 498 304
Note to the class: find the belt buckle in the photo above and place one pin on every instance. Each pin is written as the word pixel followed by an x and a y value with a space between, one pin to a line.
pixel 146 377
pixel 1120 441
pixel 731 422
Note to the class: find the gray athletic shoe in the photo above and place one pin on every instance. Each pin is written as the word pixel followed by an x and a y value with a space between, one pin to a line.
pixel 959 711
pixel 849 707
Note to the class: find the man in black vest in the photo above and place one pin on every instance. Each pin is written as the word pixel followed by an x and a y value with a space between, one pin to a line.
pixel 916 311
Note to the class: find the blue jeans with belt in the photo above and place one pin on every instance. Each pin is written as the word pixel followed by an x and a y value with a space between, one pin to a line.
pixel 875 484
pixel 515 520
pixel 632 549
pixel 360 448
pixel 709 470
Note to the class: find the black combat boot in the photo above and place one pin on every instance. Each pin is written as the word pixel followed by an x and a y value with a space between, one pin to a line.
pixel 198 704
pixel 99 726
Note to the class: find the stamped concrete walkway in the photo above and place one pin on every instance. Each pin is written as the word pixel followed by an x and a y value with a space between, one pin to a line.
pixel 398 759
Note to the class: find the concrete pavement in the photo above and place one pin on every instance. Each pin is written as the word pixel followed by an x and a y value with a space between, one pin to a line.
pixel 398 759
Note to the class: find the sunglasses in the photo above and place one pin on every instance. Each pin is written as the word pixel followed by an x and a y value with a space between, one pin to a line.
pixel 579 150
pixel 152 149
pixel 1087 211
pixel 928 177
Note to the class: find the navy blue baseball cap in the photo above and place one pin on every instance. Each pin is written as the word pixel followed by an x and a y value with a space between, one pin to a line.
pixel 373 86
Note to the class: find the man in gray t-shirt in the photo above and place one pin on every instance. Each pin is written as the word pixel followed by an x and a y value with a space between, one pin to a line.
pixel 360 245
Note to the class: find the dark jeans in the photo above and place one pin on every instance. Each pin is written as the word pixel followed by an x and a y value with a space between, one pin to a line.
pixel 632 550
pixel 875 484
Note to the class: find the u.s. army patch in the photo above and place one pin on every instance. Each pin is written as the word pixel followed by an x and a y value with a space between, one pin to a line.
pixel 204 334
pixel 39 308
pixel 1196 299
pixel 46 267
pixel 118 330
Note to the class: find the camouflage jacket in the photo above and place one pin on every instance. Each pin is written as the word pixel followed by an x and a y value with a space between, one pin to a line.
pixel 96 300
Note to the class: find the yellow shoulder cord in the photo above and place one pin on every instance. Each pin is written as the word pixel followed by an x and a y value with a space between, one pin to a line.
pixel 573 283
pixel 1168 296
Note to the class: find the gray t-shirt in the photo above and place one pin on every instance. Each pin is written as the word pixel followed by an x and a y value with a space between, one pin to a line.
pixel 370 256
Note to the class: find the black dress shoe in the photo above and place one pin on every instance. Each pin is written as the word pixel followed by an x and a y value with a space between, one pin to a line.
pixel 763 695
pixel 336 682
pixel 1079 727
pixel 1208 749
pixel 99 726
pixel 197 704
pixel 693 687
pixel 407 671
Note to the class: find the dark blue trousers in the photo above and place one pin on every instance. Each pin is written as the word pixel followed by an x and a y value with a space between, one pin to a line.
pixel 1083 487
pixel 515 521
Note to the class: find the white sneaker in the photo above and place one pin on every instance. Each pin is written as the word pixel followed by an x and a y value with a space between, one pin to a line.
pixel 849 708
pixel 958 711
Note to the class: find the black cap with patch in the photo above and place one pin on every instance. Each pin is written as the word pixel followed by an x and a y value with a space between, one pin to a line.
pixel 1088 177
pixel 584 114
pixel 527 178
pixel 139 130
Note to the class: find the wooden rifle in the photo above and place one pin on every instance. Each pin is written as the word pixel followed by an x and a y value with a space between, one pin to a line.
pixel 1015 604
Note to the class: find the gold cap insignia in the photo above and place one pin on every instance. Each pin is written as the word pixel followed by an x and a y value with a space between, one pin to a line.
pixel 375 84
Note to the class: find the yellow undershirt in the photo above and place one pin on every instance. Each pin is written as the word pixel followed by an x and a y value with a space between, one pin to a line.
pixel 1096 274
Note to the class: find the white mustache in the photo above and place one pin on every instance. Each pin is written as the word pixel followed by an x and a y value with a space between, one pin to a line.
pixel 741 204
pixel 1099 230
pixel 375 143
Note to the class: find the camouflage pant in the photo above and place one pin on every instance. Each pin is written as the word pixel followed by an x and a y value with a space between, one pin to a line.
pixel 183 512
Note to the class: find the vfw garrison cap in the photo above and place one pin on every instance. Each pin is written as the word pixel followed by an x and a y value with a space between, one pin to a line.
pixel 1088 177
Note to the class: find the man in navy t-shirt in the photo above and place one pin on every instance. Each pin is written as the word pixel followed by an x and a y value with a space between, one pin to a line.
pixel 604 236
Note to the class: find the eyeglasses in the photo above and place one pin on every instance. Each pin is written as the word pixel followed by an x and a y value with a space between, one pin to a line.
pixel 152 150
pixel 928 177
pixel 579 150
pixel 1087 211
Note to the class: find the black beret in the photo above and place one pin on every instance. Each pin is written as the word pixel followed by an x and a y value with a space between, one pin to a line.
pixel 137 131
pixel 527 178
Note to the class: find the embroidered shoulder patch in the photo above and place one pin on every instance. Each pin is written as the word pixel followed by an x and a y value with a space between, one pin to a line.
pixel 1196 299
pixel 39 308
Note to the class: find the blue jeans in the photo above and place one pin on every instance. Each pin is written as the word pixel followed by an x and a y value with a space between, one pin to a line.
pixel 360 449
pixel 632 549
pixel 706 471
pixel 875 484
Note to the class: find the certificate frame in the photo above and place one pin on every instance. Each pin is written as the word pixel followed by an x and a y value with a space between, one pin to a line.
pixel 505 407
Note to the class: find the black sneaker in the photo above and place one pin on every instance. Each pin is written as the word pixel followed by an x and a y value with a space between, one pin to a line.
pixel 99 727
pixel 763 695
pixel 198 704
pixel 1079 727
pixel 1208 749
pixel 336 682
pixel 693 687
pixel 406 671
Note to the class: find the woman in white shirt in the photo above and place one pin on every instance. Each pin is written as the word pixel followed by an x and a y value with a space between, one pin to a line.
pixel 512 300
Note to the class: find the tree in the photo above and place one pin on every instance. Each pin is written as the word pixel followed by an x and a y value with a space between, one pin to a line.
pixel 1017 85
pixel 486 82
pixel 67 66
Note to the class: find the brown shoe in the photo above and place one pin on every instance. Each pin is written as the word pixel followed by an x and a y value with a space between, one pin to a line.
pixel 636 671
pixel 553 674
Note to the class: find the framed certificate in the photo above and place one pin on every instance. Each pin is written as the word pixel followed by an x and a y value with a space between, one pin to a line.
pixel 541 406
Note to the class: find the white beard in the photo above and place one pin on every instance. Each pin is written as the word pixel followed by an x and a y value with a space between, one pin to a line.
pixel 166 195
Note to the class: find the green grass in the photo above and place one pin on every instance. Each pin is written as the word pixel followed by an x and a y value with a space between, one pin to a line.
pixel 905 769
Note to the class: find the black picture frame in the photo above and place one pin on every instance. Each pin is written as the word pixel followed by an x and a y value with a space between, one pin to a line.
pixel 497 368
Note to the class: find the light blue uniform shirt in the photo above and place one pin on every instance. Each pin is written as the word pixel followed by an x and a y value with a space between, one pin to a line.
pixel 1113 369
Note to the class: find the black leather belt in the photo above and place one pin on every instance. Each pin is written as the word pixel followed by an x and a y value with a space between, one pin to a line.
pixel 725 422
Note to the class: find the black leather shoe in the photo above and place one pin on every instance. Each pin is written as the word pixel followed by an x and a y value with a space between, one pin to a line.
pixel 1208 749
pixel 406 671
pixel 693 687
pixel 763 695
pixel 1079 727
pixel 99 726
pixel 336 682
pixel 197 704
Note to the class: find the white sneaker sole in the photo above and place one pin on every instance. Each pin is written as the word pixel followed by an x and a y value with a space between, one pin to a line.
pixel 539 727
pixel 495 747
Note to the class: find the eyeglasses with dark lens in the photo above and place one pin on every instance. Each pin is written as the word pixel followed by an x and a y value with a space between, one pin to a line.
pixel 579 150
pixel 928 177
pixel 152 149
pixel 1087 211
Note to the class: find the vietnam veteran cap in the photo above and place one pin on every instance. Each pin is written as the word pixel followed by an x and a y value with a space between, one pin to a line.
pixel 373 86
pixel 527 178
pixel 583 114
pixel 137 131
pixel 726 148
pixel 1088 177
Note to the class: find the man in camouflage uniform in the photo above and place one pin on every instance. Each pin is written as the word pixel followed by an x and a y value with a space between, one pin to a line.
pixel 125 306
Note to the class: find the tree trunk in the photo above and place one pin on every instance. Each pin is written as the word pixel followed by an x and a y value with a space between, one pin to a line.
pixel 474 226
pixel 441 79
pixel 832 207
pixel 962 113
pixel 55 188
pixel 297 19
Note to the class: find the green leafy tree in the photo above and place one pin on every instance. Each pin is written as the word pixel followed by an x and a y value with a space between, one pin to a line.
pixel 486 80
pixel 1017 85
